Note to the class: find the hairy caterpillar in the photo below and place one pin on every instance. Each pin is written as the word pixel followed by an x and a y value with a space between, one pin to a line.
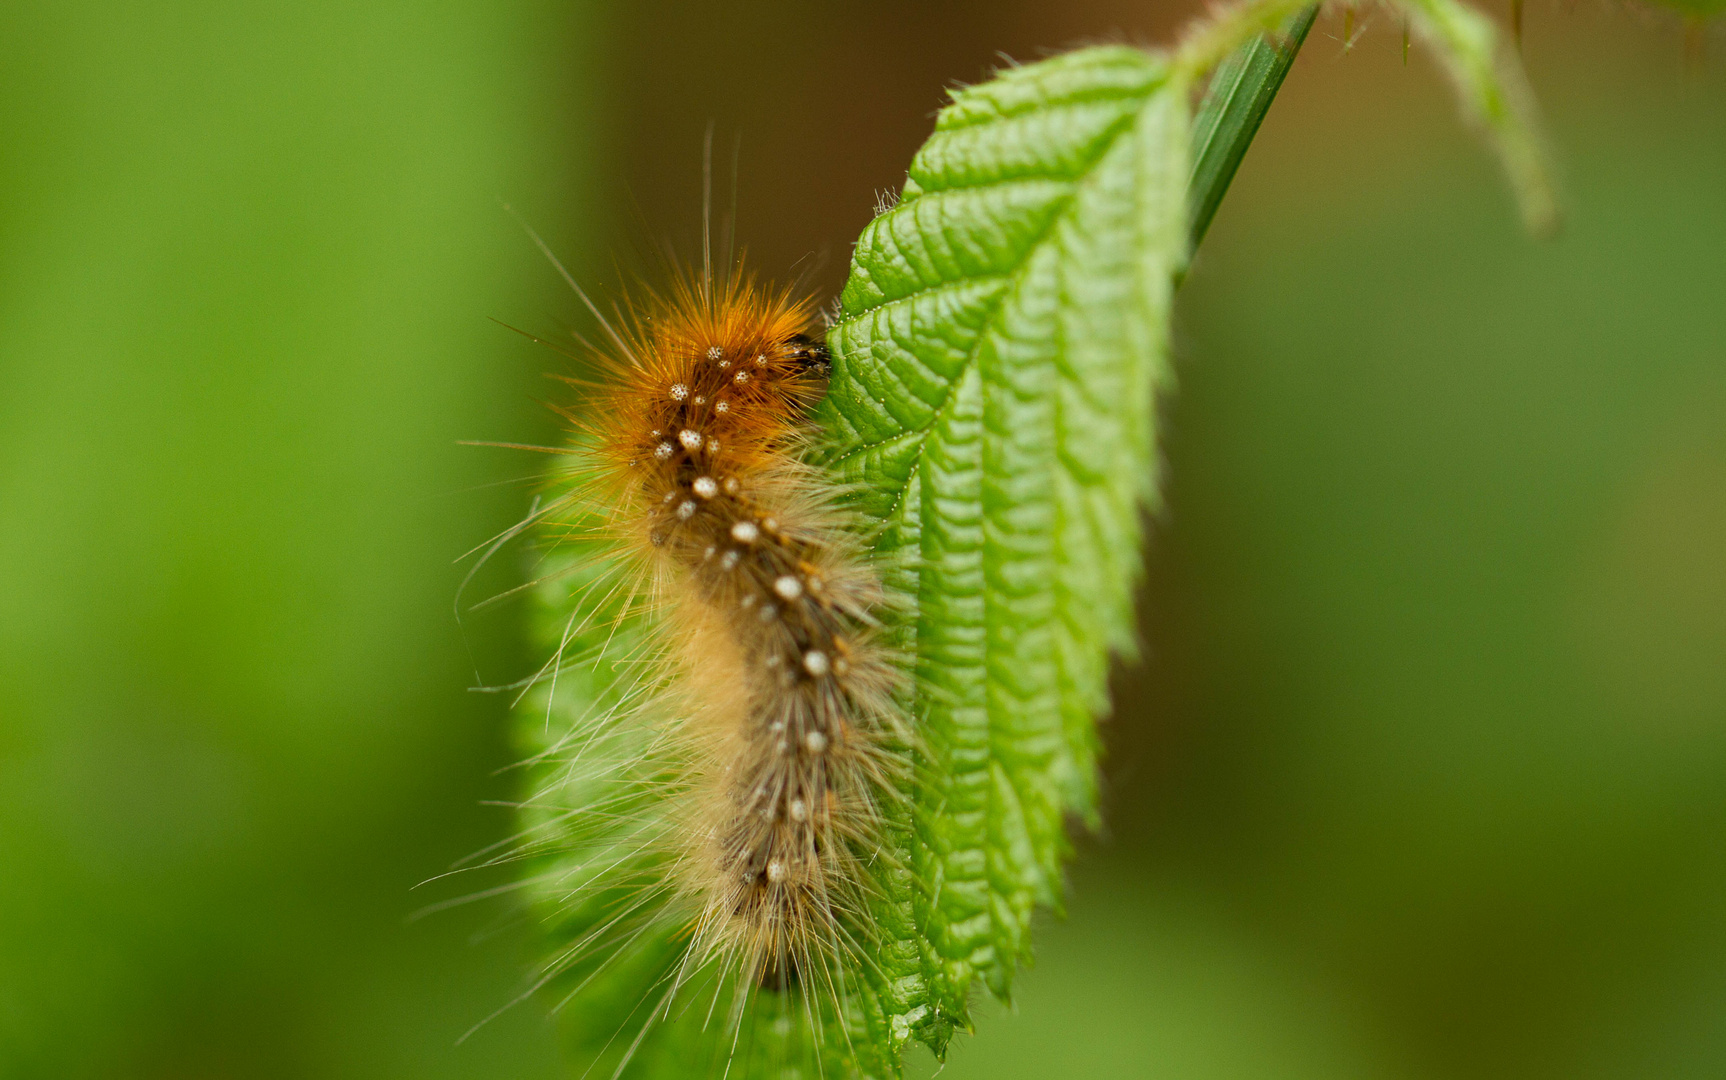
pixel 726 786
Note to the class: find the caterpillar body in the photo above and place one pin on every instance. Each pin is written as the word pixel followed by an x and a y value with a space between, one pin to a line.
pixel 757 709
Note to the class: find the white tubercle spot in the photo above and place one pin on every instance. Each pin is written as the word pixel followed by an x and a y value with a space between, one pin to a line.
pixel 815 662
pixel 714 352
pixel 745 532
pixel 698 400
pixel 713 446
pixel 664 450
pixel 705 486
pixel 740 378
pixel 731 485
pixel 686 509
pixel 679 391
pixel 761 360
pixel 768 612
pixel 722 407
pixel 841 666
pixel 708 554
pixel 770 524
pixel 748 600
pixel 728 560
pixel 723 364
pixel 670 495
pixel 815 741
pixel 799 810
pixel 691 440
pixel 775 871
pixel 788 587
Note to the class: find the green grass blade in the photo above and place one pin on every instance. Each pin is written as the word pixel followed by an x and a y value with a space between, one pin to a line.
pixel 1240 94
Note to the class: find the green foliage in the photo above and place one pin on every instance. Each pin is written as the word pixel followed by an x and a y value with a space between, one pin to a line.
pixel 997 357
pixel 1002 336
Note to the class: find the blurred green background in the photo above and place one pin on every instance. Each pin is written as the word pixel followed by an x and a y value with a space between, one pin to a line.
pixel 1424 775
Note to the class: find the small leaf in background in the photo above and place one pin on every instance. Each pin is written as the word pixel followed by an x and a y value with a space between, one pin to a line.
pixel 1495 95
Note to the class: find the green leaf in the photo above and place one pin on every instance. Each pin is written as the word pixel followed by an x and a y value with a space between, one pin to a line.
pixel 995 367
pixel 1000 343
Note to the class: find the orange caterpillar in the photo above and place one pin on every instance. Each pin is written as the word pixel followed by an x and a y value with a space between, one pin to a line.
pixel 693 440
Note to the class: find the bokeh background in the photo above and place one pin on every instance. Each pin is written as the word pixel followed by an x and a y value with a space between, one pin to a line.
pixel 1424 773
